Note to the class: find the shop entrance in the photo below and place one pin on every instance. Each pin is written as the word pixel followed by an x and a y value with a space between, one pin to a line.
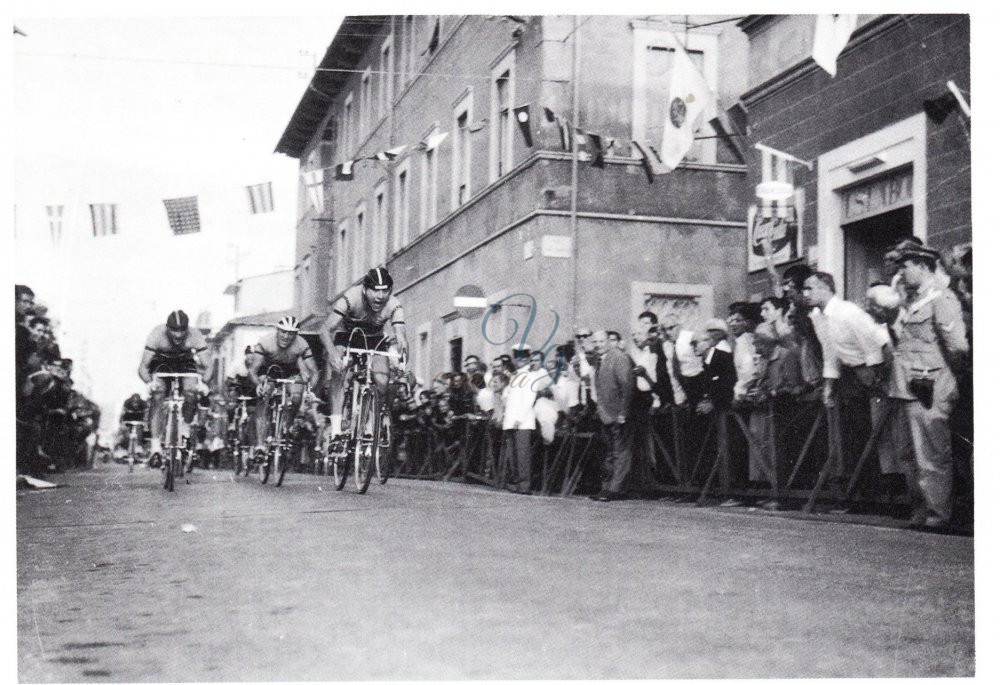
pixel 865 244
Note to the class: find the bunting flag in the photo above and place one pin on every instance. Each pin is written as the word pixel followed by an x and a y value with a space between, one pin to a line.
pixel 182 212
pixel 596 147
pixel 433 141
pixel 344 172
pixel 550 116
pixel 938 109
pixel 313 181
pixel 523 116
pixel 389 155
pixel 565 135
pixel 651 162
pixel 55 214
pixel 833 31
pixel 688 98
pixel 104 219
pixel 478 126
pixel 435 37
pixel 261 199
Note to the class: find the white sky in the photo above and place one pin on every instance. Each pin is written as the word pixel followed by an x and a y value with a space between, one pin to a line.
pixel 130 120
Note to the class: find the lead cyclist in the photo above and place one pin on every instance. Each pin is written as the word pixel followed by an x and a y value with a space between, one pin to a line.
pixel 368 307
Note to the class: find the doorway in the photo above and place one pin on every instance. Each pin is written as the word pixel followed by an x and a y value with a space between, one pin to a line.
pixel 865 244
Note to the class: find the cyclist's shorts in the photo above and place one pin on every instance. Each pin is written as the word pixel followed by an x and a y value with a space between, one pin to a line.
pixel 277 371
pixel 171 365
pixel 363 339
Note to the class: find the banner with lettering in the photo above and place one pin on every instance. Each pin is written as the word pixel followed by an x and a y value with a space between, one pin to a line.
pixel 775 231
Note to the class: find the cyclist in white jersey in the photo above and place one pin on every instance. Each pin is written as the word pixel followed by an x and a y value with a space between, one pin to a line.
pixel 358 319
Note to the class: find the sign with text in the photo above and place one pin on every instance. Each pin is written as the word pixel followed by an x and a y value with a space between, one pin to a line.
pixel 775 230
pixel 876 197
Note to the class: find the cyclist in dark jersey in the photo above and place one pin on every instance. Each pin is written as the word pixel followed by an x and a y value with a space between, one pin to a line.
pixel 362 312
pixel 173 348
pixel 281 353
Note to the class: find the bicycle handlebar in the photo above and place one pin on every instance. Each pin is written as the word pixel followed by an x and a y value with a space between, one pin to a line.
pixel 134 423
pixel 162 374
pixel 380 353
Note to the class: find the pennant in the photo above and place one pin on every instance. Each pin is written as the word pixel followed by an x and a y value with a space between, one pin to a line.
pixel 104 219
pixel 596 147
pixel 314 187
pixel 389 155
pixel 688 97
pixel 565 136
pixel 435 37
pixel 261 199
pixel 722 125
pixel 550 116
pixel 433 141
pixel 55 214
pixel 344 171
pixel 523 116
pixel 182 213
pixel 478 126
pixel 651 162
pixel 833 31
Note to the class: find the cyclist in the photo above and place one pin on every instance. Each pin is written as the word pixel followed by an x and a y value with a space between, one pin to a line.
pixel 172 348
pixel 133 409
pixel 281 353
pixel 368 307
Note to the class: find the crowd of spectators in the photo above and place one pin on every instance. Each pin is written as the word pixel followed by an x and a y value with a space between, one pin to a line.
pixel 898 364
pixel 56 424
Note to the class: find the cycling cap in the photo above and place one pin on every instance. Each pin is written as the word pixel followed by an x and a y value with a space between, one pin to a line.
pixel 177 321
pixel 248 350
pixel 288 323
pixel 378 279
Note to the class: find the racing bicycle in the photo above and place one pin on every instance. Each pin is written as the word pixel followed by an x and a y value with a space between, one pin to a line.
pixel 177 449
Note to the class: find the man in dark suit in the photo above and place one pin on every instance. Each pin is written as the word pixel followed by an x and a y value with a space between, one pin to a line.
pixel 614 385
pixel 716 396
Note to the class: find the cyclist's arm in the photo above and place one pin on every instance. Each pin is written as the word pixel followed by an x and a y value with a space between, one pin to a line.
pixel 254 367
pixel 147 359
pixel 308 369
pixel 201 363
pixel 326 331
pixel 399 330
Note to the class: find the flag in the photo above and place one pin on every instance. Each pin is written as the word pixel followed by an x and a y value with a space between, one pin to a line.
pixel 182 212
pixel 688 97
pixel 651 162
pixel 595 146
pixel 523 116
pixel 104 219
pixel 344 172
pixel 389 155
pixel 433 141
pixel 565 136
pixel 55 213
pixel 261 199
pixel 550 116
pixel 938 109
pixel 19 32
pixel 435 36
pixel 833 31
pixel 313 181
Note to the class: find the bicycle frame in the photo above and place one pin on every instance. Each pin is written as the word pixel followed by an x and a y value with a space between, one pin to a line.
pixel 174 403
pixel 133 441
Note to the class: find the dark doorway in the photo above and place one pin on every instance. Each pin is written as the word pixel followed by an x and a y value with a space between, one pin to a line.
pixel 456 354
pixel 865 244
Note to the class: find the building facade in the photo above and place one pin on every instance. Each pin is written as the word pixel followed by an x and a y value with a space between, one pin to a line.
pixel 592 246
pixel 882 168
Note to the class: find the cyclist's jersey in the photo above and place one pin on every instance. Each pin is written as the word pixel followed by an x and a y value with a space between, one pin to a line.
pixel 357 313
pixel 286 359
pixel 168 354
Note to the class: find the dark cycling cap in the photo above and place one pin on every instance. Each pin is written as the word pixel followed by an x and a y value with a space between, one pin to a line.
pixel 177 321
pixel 248 350
pixel 378 279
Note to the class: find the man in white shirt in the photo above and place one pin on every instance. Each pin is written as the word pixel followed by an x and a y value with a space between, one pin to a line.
pixel 519 416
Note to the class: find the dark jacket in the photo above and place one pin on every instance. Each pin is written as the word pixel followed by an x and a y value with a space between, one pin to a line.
pixel 719 379
pixel 614 385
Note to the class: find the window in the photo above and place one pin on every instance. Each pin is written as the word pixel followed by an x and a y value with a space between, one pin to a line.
pixel 429 192
pixel 653 52
pixel 380 229
pixel 358 248
pixel 461 180
pixel 401 234
pixel 365 110
pixel 422 361
pixel 348 148
pixel 386 95
pixel 409 49
pixel 502 118
pixel 340 277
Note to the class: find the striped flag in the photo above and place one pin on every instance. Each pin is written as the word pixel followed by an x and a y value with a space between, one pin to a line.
pixel 104 219
pixel 314 187
pixel 55 213
pixel 261 199
pixel 182 213
pixel 651 162
pixel 344 171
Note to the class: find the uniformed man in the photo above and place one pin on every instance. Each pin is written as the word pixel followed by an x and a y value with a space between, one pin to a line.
pixel 931 348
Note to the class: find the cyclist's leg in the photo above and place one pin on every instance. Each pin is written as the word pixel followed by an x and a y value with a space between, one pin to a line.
pixel 263 417
pixel 380 374
pixel 157 415
pixel 189 388
pixel 336 392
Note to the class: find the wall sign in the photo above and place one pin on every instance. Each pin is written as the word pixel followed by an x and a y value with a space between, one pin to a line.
pixel 876 197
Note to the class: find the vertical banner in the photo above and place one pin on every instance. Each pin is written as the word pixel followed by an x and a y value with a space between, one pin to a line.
pixel 775 228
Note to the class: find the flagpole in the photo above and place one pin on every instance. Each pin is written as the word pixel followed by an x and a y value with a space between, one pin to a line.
pixel 574 172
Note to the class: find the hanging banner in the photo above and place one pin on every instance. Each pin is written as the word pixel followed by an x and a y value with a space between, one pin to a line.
pixel 776 232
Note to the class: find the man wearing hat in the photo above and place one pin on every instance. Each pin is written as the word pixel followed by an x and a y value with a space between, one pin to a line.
pixel 519 416
pixel 173 347
pixel 931 348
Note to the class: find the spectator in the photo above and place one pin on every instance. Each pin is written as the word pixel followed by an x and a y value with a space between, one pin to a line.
pixel 932 348
pixel 741 321
pixel 615 338
pixel 519 419
pixel 614 385
pixel 716 395
pixel 774 314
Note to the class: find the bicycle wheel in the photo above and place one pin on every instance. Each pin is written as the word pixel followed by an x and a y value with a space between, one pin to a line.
pixel 282 457
pixel 364 445
pixel 265 469
pixel 236 454
pixel 131 453
pixel 383 447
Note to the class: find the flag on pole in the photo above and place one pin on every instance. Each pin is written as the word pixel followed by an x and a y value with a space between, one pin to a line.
pixel 523 116
pixel 435 37
pixel 104 219
pixel 651 162
pixel 833 31
pixel 687 99
pixel 433 141
pixel 261 199
pixel 55 213
pixel 344 171
pixel 182 212
pixel 314 187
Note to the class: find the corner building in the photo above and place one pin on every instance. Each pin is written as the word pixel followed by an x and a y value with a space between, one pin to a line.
pixel 484 208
